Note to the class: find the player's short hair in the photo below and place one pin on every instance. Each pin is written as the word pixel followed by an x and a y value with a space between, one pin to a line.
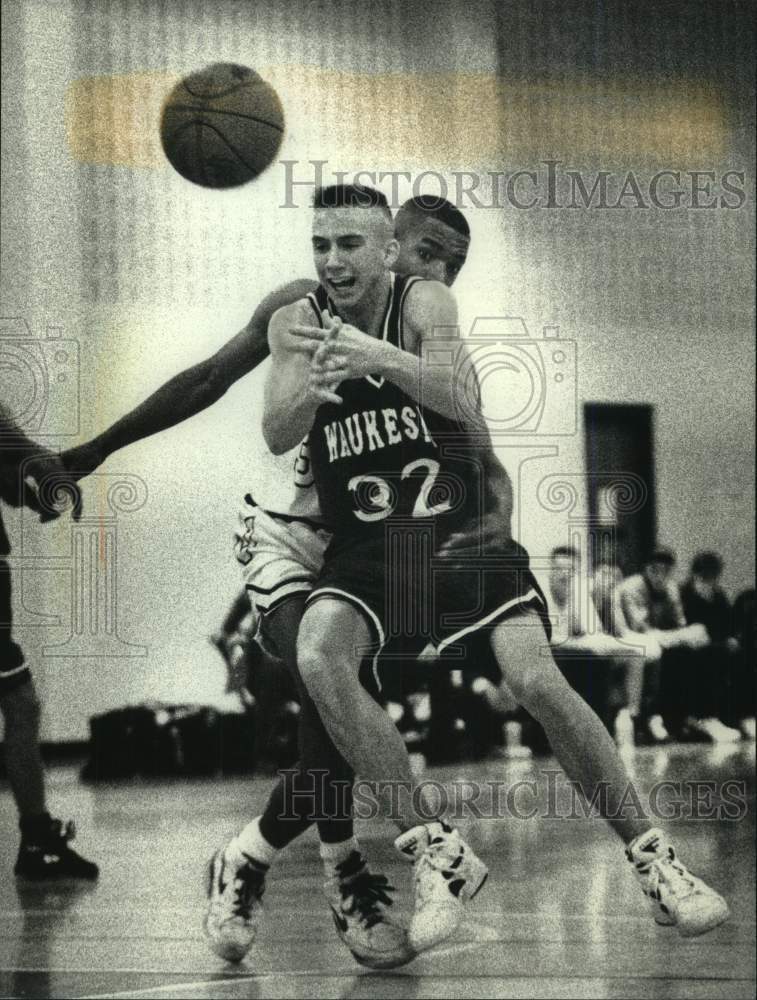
pixel 661 555
pixel 707 564
pixel 351 196
pixel 565 550
pixel 429 206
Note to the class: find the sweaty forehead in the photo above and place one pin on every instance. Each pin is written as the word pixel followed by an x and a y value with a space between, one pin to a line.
pixel 350 221
pixel 434 231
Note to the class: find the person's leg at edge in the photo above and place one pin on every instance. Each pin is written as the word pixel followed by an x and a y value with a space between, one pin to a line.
pixel 23 760
pixel 44 852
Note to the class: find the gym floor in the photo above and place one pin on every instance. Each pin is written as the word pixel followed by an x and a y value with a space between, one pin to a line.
pixel 561 915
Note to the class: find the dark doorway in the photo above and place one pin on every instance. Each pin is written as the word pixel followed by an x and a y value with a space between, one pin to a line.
pixel 620 470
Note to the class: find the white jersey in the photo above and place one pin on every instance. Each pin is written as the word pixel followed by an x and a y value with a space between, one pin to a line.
pixel 279 540
pixel 284 485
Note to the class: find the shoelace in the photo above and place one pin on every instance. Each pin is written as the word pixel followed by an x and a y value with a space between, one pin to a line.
pixel 248 887
pixel 437 857
pixel 659 871
pixel 60 832
pixel 367 892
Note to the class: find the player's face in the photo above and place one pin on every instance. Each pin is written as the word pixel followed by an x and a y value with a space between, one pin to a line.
pixel 658 575
pixel 352 247
pixel 705 586
pixel 561 573
pixel 432 250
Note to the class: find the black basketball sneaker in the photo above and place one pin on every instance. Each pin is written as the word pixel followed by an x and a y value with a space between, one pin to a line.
pixel 45 853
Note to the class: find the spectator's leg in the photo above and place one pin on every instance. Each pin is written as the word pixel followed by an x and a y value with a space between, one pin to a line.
pixel 744 694
pixel 634 683
pixel 589 676
pixel 676 697
pixel 651 692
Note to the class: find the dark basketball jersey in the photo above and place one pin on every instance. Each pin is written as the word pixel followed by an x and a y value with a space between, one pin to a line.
pixel 5 546
pixel 380 457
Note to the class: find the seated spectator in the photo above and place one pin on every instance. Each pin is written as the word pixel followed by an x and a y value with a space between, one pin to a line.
pixel 746 634
pixel 704 601
pixel 642 664
pixel 652 604
pixel 592 661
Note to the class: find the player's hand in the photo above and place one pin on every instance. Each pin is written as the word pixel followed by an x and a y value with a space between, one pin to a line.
pixel 354 351
pixel 48 488
pixel 327 371
pixel 348 349
pixel 82 459
pixel 306 339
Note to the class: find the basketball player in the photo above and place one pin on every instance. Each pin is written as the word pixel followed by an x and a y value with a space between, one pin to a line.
pixel 388 464
pixel 44 852
pixel 281 550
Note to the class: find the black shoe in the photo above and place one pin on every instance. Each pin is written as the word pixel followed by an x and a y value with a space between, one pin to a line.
pixel 45 854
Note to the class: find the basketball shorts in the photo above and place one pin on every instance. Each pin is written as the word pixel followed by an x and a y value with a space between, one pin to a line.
pixel 13 670
pixel 280 555
pixel 410 598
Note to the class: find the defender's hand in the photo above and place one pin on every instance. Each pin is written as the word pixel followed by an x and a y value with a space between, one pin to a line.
pixel 49 488
pixel 349 349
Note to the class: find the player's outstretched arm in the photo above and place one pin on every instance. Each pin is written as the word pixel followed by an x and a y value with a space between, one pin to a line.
pixel 292 392
pixel 192 390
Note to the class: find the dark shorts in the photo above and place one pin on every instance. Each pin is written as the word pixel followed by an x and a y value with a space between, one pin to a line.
pixel 410 597
pixel 13 672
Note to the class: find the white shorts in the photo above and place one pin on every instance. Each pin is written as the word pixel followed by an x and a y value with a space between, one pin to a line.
pixel 280 555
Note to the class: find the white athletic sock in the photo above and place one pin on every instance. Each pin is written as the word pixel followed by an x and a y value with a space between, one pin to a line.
pixel 335 854
pixel 252 843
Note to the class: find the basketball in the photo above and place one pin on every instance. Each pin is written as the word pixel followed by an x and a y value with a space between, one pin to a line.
pixel 222 126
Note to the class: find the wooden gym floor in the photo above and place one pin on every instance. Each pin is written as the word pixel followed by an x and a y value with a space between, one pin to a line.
pixel 560 916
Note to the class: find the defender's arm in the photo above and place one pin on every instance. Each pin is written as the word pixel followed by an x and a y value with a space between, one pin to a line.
pixel 192 390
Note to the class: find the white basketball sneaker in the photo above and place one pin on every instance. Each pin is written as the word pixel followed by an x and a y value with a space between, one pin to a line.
pixel 358 900
pixel 235 888
pixel 447 874
pixel 677 897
